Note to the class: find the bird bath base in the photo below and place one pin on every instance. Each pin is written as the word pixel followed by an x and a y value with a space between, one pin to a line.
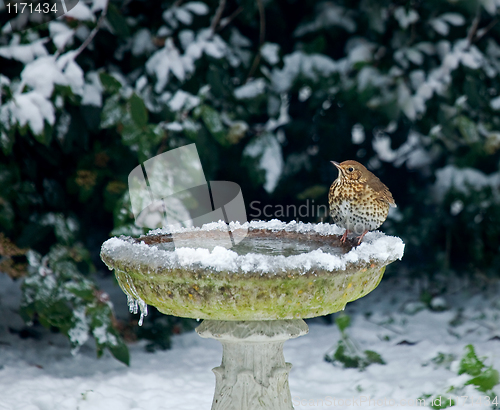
pixel 253 374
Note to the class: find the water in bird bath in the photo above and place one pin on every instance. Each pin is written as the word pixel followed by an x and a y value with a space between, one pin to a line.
pixel 258 242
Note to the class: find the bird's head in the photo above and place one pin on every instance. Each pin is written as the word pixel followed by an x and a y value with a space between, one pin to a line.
pixel 351 171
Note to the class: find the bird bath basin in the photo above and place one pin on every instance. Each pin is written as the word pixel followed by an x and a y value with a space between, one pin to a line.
pixel 254 295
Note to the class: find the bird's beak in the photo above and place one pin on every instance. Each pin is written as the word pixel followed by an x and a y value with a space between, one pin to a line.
pixel 336 164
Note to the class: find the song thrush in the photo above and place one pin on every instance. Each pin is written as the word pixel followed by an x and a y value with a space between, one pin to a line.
pixel 358 200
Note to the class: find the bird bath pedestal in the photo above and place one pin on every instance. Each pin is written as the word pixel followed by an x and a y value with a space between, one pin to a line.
pixel 254 295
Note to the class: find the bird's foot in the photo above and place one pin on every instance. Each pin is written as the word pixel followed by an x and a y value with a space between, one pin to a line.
pixel 344 237
pixel 360 238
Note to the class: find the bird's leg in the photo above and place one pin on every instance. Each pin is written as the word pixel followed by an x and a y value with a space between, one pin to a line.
pixel 361 237
pixel 344 237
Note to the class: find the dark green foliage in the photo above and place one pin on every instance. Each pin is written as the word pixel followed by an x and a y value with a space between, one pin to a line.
pixel 470 363
pixel 484 380
pixel 347 353
pixel 444 359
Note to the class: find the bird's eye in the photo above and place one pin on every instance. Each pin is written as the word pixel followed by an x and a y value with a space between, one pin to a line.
pixel 351 169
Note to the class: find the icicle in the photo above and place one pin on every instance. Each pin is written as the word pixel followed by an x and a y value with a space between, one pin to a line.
pixel 134 305
pixel 144 311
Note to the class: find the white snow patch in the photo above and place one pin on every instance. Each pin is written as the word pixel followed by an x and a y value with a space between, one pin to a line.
pixel 464 180
pixel 92 90
pixel 61 34
pixel 165 61
pixel 142 43
pixel 405 18
pixel 268 149
pixel 81 12
pixel 495 103
pixel 411 152
pixel 357 134
pixel 42 374
pixel 31 109
pixel 251 89
pixel 310 66
pixel 25 53
pixel 270 53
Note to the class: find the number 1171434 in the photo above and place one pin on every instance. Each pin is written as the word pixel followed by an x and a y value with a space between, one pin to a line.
pixel 19 8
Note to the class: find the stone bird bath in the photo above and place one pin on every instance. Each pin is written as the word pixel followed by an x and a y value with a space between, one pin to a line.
pixel 252 297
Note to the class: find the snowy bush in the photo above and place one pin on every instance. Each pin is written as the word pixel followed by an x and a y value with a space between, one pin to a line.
pixel 270 92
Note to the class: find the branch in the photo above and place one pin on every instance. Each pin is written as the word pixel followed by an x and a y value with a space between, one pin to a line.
pixel 178 3
pixel 225 22
pixel 262 35
pixel 473 29
pixel 481 33
pixel 218 16
pixel 92 34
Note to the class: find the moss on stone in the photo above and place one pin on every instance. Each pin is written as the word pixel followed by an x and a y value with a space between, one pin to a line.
pixel 243 296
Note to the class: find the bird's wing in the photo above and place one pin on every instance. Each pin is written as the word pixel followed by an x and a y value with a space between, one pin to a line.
pixel 382 191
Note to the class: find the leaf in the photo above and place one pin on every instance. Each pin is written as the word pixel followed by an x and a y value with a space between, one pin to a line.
pixel 197 7
pixel 346 358
pixel 183 16
pixel 112 112
pixel 440 26
pixel 373 357
pixel 120 352
pixel 130 133
pixel 43 138
pixel 486 380
pixel 104 334
pixel 470 363
pixel 467 128
pixel 81 290
pixel 213 122
pixel 343 322
pixel 110 83
pixel 454 19
pixel 117 21
pixel 138 110
pixel 7 141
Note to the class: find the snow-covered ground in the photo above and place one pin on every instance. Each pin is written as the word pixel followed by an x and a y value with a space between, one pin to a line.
pixel 43 375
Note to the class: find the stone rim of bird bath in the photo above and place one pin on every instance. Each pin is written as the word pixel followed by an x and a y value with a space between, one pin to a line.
pixel 223 285
pixel 254 303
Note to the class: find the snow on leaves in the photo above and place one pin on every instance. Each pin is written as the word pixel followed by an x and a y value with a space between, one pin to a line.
pixel 54 284
pixel 25 53
pixel 309 66
pixel 184 13
pixel 328 15
pixel 165 61
pixel 404 17
pixel 169 60
pixel 441 24
pixel 34 108
pixel 267 151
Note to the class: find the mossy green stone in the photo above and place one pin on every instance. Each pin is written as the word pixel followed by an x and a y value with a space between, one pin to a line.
pixel 206 294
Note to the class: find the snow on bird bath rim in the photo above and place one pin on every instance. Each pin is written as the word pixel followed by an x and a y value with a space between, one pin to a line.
pixel 375 248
